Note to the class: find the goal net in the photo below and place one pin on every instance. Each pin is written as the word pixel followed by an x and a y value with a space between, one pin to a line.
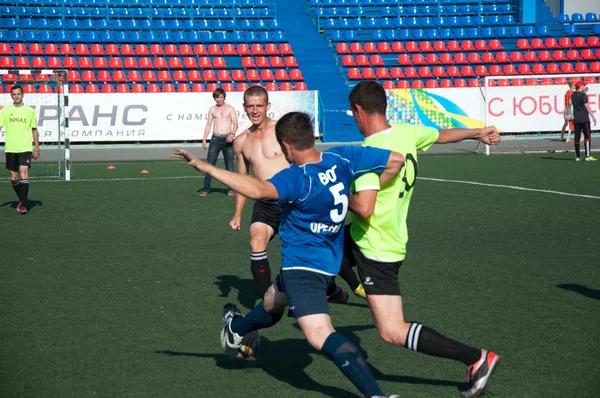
pixel 528 110
pixel 46 91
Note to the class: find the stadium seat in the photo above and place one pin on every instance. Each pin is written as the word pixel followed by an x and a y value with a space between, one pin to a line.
pixel 503 83
pixel 530 56
pixel 104 76
pixel 229 50
pixel 370 48
pixel 592 41
pixel 342 48
pixel 138 88
pixel 66 49
pixel 179 76
pixel 439 47
pixel 425 72
pixel 145 63
pixel 252 75
pixel 209 76
pixel 589 80
pixel 149 76
pixel 481 71
pixel 210 87
pixel 248 62
pixel 396 73
pixel 544 56
pixel 517 82
pixel 516 56
pixel 510 70
pixel 481 45
pixel 595 67
pixel 467 45
pixel 588 54
pixel 51 49
pixel 523 44
pixel 398 47
pixel 214 49
pixel 107 88
pixel 204 63
pixel 281 75
pixel 271 87
pixel 573 55
pixel 546 81
pixel 153 88
pixel 496 70
pixel 290 62
pixel 238 75
pixel 34 49
pixel 524 69
pixel 186 50
pixel 194 76
pixel 446 59
pixel 241 87
pixel 460 83
pixel 384 48
pixel 418 84
pixel 439 71
pixel 76 89
pixel 446 83
pixel 495 45
pixel 164 76
pixel 538 69
pixel 453 46
pixel 160 63
pixel 356 48
pixel 418 59
pixel 91 89
pixel 45 89
pixel 403 84
pixel 198 88
pixel 552 69
pixel 183 88
pixel 474 83
pixel 560 80
pixel 567 68
pixel 411 73
pixel 38 63
pixel 300 86
pixel 200 49
pixel 219 63
pixel 431 84
pixel 404 59
pixel 432 59
pixel 411 47
pixel 223 76
pixel 460 59
pixel 388 85
pixel 168 88
pixel 382 73
pixel 354 74
pixel 276 62
pixel 559 55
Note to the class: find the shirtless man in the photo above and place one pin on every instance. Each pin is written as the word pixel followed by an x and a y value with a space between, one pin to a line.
pixel 257 150
pixel 223 120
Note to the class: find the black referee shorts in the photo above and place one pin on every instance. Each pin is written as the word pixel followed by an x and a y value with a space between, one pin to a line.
pixel 15 160
pixel 377 277
pixel 267 213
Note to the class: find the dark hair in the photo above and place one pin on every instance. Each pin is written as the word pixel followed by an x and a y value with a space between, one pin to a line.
pixel 296 129
pixel 219 91
pixel 16 87
pixel 370 95
pixel 256 91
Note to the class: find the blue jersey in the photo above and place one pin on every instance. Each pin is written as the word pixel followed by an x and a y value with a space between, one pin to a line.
pixel 314 200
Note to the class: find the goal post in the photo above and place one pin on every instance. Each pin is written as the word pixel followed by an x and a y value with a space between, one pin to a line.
pixel 528 110
pixel 47 91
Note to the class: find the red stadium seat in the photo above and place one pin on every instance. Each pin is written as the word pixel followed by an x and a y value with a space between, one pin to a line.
pixel 396 73
pixel 551 43
pixel 194 76
pixel 262 62
pixel 107 88
pixel 164 76
pixel 354 73
pixel 581 67
pixel 190 63
pixel 186 50
pixel 403 84
pixel 417 84
pixel 145 63
pixel 179 76
pixel 168 88
pixel 495 45
pixel 228 87
pixel 229 50
pixel 88 76
pixel 488 58
pixel 502 58
pixel 481 71
pixel 538 69
pixel 183 88
pixel 404 59
pixel 560 80
pixel 104 76
pixel 138 88
pixel 209 76
pixel 286 87
pixel 595 67
pixel 200 49
pixel 175 63
pixel 155 49
pixel 142 50
pixel 460 59
pixel 552 69
pixel 267 75
pixel 22 63
pixel 467 71
pixel 204 63
pixel 593 41
pixel 446 83
pixel 38 63
pixel 446 59
pixel 474 58
pixel 276 62
pixel 356 48
pixel 76 89
pixel 546 81
pixel 371 48
pixel 271 49
pixel 580 42
pixel 198 88
pixel 544 56
pixel 149 76
pixel 523 44
pixel 66 49
pixel 91 89
pixel 130 63
pixel 342 48
pixel 153 88
pixel 439 71
pixel 281 75
pixel 241 87
pixel 431 84
pixel 439 47
pixel 219 63
pixel 45 89
pixel 587 54
pixel 530 56
pixel 411 47
pixel 210 87
pixel 517 82
pixel 134 76
pixel 238 75
pixel 388 85
pixel 467 45
pixel 496 70
pixel 51 49
pixel 97 49
pixel 398 47
pixel 453 71
pixel 252 75
pixel 5 50
pixel 118 76
pixel 425 72
pixel 300 86
pixel 474 83
pixel 115 63
pixel 453 46
pixel 411 73
pixel 362 60
pixel 516 56
pixel 214 49
pixel 418 59
pixel 223 76
pixel 432 59
pixel 382 73
pixel 573 55
pixel 85 63
pixel 565 42
pixel 69 63
pixel 481 45
pixel 28 88
pixel 171 49
pixel 567 68
pixel 123 88
pixel 100 63
pixel 34 49
pixel 160 63
pixel 559 55
pixel 524 69
pixel 384 48
pixel 271 87
pixel 426 47
pixel 510 70
pixel 503 83
pixel 257 49
pixel 376 60
pixel 368 73
pixel 248 62
pixel 460 83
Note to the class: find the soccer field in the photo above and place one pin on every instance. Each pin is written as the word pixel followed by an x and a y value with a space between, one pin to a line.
pixel 113 285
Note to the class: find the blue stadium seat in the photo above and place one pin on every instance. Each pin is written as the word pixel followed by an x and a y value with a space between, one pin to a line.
pixel 137 37
pixel 120 37
pixel 591 17
pixel 160 24
pixel 487 32
pixel 165 37
pixel 30 35
pixel 101 24
pixel 502 31
pixel 237 37
pixel 529 31
pixel 92 36
pixel 543 30
pixel 3 35
pixel 378 35
pixel 432 34
pixel 563 18
pixel 514 31
pixel 222 37
pixel 577 18
pixel 75 36
pixel 193 37
pixel 11 23
pixel 507 20
pixel 117 24
pixel 61 36
pixel 87 24
pixel 189 24
pixel 42 24
pixel 446 34
pixel 58 23
pixel 46 36
pixel 570 30
pixel 350 35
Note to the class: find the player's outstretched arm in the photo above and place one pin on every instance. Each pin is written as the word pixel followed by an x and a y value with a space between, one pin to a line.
pixel 487 135
pixel 243 184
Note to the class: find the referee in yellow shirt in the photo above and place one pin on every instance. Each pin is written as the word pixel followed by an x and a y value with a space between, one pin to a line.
pixel 21 126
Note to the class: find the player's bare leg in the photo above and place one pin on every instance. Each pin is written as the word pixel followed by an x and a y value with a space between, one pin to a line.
pixel 260 235
pixel 389 321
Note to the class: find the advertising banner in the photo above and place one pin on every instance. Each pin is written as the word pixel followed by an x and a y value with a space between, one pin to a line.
pixel 135 117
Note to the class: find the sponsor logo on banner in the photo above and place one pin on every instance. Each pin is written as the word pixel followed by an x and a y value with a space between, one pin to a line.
pixel 156 117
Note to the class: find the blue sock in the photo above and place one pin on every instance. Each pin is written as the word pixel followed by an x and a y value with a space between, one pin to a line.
pixel 349 360
pixel 258 318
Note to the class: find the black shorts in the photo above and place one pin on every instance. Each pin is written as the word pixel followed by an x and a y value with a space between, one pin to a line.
pixel 267 213
pixel 16 160
pixel 377 277
pixel 306 291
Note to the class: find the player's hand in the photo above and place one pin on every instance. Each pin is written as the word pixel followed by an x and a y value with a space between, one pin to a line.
pixel 235 223
pixel 489 135
pixel 190 159
pixel 229 138
pixel 36 153
pixel 204 144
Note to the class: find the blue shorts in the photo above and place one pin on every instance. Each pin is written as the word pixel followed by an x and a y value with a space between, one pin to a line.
pixel 306 291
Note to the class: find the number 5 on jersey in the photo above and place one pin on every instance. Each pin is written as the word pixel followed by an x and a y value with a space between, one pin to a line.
pixel 339 198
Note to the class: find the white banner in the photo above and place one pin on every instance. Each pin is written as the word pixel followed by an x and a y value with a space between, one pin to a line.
pixel 531 108
pixel 137 117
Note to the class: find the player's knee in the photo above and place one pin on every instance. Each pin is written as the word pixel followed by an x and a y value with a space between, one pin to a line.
pixel 393 334
pixel 14 180
pixel 316 337
pixel 258 243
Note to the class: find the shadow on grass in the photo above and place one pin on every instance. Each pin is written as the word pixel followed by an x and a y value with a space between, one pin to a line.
pixel 246 289
pixel 584 290
pixel 553 158
pixel 31 204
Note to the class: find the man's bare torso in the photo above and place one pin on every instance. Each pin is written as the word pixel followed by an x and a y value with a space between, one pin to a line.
pixel 262 151
pixel 222 119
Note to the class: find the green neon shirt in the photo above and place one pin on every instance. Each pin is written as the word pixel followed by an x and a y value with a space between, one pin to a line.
pixel 384 235
pixel 18 123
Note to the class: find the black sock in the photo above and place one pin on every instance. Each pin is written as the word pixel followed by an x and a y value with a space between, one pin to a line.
pixel 349 275
pixel 423 339
pixel 24 187
pixel 259 265
pixel 17 188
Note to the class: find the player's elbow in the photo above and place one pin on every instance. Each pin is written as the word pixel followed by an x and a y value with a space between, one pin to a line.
pixel 364 210
pixel 395 162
